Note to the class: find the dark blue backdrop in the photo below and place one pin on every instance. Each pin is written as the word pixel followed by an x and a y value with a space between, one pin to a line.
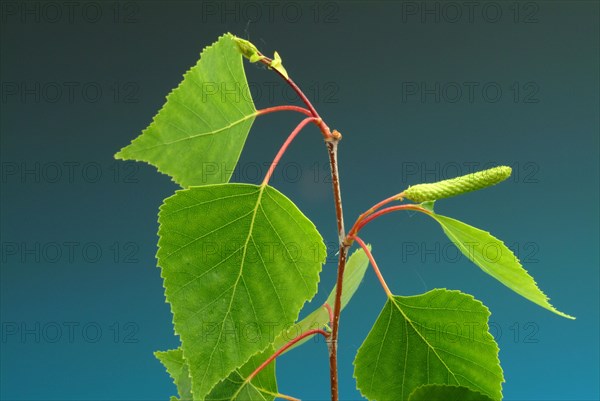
pixel 421 91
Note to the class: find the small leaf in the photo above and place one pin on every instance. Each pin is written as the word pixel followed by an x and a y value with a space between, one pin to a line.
pixel 436 392
pixel 353 274
pixel 238 262
pixel 199 133
pixel 457 186
pixel 494 258
pixel 440 337
pixel 178 370
pixel 248 50
pixel 428 205
pixel 277 64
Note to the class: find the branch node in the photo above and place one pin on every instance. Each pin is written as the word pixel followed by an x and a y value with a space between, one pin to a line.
pixel 335 137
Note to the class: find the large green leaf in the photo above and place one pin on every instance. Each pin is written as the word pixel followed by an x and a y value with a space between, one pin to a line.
pixel 178 370
pixel 440 337
pixel 199 133
pixel 494 258
pixel 437 392
pixel 238 263
pixel 235 388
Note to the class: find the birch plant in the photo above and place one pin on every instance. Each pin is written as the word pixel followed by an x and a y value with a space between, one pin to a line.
pixel 236 305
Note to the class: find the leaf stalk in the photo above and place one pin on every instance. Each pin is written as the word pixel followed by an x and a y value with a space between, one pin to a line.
pixel 283 349
pixel 284 147
pixel 285 107
pixel 374 265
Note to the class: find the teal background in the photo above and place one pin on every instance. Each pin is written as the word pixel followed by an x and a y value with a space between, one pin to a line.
pixel 356 60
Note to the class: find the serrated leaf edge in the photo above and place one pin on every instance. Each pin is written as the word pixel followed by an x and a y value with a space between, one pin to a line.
pixel 445 385
pixel 324 257
pixel 549 306
pixel 485 308
pixel 119 155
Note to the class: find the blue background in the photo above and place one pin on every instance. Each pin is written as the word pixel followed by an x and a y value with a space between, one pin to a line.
pixel 368 67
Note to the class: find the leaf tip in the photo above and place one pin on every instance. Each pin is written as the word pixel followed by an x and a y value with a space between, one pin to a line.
pixel 277 64
pixel 562 314
pixel 120 155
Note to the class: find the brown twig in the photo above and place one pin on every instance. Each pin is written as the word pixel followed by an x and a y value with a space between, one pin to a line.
pixel 332 145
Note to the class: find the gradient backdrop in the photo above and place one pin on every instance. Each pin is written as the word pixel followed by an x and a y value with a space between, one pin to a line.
pixel 421 92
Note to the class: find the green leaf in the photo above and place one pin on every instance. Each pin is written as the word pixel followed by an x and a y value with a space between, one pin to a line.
pixel 199 133
pixel 457 186
pixel 353 274
pixel 263 387
pixel 238 263
pixel 436 392
pixel 178 370
pixel 251 53
pixel 317 319
pixel 248 50
pixel 428 205
pixel 277 64
pixel 440 337
pixel 494 258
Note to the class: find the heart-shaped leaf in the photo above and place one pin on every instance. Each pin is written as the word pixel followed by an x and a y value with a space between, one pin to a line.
pixel 238 262
pixel 440 337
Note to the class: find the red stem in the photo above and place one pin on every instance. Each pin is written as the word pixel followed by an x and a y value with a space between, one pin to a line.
pixel 322 126
pixel 363 222
pixel 330 311
pixel 284 348
pixel 267 61
pixel 332 140
pixel 371 211
pixel 373 264
pixel 284 147
pixel 284 108
pixel 383 203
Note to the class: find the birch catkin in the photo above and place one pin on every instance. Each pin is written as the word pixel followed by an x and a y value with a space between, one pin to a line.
pixel 457 186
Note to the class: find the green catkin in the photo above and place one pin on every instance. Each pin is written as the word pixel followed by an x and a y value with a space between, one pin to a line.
pixel 457 186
